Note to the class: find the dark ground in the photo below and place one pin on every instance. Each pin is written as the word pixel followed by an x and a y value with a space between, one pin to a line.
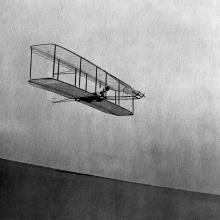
pixel 33 192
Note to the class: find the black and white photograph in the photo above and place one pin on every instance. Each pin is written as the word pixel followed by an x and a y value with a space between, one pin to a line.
pixel 110 110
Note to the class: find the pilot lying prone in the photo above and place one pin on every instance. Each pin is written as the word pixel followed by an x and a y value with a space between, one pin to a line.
pixel 98 96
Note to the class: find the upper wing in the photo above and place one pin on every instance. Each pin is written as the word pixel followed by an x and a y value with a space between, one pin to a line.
pixel 72 61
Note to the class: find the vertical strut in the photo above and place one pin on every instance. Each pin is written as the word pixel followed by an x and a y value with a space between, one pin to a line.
pixel 54 59
pixel 95 79
pixel 133 105
pixel 115 97
pixel 86 82
pixel 105 79
pixel 75 75
pixel 80 70
pixel 58 70
pixel 31 63
pixel 118 92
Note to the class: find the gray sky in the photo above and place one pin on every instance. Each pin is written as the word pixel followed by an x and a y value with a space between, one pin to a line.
pixel 167 49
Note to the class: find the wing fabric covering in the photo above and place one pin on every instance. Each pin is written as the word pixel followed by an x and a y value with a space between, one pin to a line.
pixel 72 92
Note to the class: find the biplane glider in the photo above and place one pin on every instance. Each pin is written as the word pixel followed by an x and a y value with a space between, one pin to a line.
pixel 77 79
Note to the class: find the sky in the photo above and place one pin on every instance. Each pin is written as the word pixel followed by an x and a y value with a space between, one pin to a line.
pixel 167 49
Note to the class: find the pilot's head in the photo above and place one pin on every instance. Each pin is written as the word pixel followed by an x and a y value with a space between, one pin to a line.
pixel 107 88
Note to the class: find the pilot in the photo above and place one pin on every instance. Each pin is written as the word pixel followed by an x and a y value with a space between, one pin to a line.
pixel 99 95
pixel 103 91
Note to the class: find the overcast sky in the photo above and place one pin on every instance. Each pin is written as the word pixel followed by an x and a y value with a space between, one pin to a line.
pixel 167 49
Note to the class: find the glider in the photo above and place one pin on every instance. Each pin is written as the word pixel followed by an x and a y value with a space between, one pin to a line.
pixel 77 79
